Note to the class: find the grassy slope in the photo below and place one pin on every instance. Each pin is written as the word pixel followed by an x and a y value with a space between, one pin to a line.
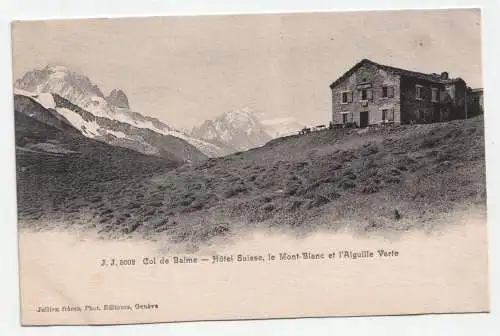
pixel 392 179
pixel 49 184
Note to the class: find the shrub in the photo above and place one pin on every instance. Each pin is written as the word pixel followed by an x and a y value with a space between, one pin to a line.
pixel 369 149
pixel 268 207
pixel 347 184
pixel 318 201
pixel 294 205
pixel 131 227
pixel 231 192
pixel 370 187
pixel 349 174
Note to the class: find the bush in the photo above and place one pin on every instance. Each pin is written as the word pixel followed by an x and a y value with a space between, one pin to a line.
pixel 370 187
pixel 235 191
pixel 369 149
pixel 429 143
pixel 347 184
pixel 318 201
pixel 349 174
pixel 268 207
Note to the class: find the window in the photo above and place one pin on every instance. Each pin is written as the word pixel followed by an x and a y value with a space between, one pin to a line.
pixel 388 115
pixel 344 118
pixel 449 90
pixel 346 97
pixel 435 95
pixel 387 91
pixel 366 94
pixel 418 93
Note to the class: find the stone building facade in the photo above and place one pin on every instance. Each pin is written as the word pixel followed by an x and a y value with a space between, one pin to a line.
pixel 371 93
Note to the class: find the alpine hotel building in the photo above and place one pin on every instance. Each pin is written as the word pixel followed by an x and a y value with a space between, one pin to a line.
pixel 371 93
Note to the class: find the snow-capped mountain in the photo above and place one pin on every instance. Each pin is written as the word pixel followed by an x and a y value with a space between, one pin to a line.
pixel 244 129
pixel 76 88
pixel 52 109
pixel 238 130
pixel 280 127
pixel 81 92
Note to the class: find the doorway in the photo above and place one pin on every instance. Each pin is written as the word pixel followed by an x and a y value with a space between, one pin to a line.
pixel 363 119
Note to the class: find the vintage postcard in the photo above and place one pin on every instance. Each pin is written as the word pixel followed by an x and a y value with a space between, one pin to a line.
pixel 225 167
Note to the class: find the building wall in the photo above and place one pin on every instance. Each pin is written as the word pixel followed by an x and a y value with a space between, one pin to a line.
pixel 450 101
pixel 424 109
pixel 475 102
pixel 368 77
pixel 450 105
pixel 459 99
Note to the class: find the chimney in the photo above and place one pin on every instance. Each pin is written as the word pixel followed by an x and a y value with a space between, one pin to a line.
pixel 444 75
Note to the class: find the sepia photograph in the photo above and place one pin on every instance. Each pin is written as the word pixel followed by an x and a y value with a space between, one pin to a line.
pixel 187 168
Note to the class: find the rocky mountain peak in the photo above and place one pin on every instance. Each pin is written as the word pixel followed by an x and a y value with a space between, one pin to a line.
pixel 239 129
pixel 118 98
pixel 61 80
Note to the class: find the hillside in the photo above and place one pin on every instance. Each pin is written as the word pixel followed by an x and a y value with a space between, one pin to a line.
pixel 61 171
pixel 391 179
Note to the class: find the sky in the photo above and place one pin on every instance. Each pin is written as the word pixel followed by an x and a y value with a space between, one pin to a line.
pixel 184 70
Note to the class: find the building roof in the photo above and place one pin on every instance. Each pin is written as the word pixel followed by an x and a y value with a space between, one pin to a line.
pixel 430 77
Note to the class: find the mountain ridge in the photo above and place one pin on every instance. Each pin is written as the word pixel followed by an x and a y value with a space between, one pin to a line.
pixel 233 131
pixel 239 129
pixel 80 91
pixel 112 132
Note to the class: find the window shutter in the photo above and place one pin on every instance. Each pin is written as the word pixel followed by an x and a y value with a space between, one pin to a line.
pixel 369 94
pixel 349 97
pixel 391 116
